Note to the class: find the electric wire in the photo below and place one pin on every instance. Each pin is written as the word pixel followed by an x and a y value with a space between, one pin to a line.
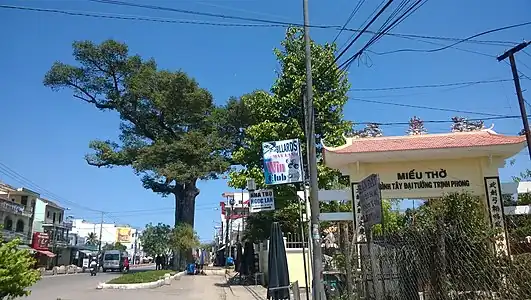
pixel 416 5
pixel 362 25
pixel 464 39
pixel 9 172
pixel 352 14
pixel 428 107
pixel 218 24
pixel 374 18
pixel 426 86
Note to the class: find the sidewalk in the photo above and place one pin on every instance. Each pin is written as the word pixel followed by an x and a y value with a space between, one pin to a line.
pixel 210 287
pixel 252 292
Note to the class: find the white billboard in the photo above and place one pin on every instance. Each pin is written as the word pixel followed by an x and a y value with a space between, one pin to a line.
pixel 282 162
pixel 261 200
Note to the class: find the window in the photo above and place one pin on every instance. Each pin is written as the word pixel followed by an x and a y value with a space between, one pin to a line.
pixel 24 200
pixel 60 219
pixel 48 215
pixel 53 218
pixel 8 224
pixel 112 257
pixel 20 226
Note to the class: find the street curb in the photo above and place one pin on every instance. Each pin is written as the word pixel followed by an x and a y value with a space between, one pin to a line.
pixel 147 285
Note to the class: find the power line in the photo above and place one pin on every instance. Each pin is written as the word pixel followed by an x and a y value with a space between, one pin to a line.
pixel 4 169
pixel 207 23
pixel 436 121
pixel 429 85
pixel 378 36
pixel 191 12
pixel 381 11
pixel 463 40
pixel 427 107
pixel 352 14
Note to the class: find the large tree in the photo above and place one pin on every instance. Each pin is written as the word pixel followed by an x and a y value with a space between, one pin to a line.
pixel 278 114
pixel 167 135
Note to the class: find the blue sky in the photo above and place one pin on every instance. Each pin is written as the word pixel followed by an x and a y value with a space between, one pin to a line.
pixel 45 134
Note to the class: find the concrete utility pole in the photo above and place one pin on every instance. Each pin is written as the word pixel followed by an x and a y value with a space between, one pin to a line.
pixel 101 232
pixel 510 53
pixel 317 291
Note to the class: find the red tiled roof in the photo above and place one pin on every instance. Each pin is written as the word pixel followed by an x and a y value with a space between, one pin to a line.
pixel 429 141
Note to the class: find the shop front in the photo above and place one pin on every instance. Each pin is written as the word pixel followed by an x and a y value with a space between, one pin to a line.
pixel 40 244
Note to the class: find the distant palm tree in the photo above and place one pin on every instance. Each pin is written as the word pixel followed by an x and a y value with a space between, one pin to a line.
pixel 92 239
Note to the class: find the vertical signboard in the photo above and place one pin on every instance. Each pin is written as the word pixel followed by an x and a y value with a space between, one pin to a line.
pixel 356 211
pixel 282 162
pixel 495 203
pixel 370 200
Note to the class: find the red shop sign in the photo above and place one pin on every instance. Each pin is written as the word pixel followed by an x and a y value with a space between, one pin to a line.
pixel 40 241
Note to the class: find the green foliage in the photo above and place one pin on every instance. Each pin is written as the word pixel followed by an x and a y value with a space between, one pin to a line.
pixel 184 237
pixel 140 277
pixel 519 226
pixel 458 222
pixel 393 221
pixel 115 246
pixel 17 271
pixel 278 115
pixel 92 239
pixel 155 239
pixel 168 132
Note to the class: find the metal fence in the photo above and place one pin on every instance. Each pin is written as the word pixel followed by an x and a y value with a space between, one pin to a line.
pixel 439 256
pixel 295 240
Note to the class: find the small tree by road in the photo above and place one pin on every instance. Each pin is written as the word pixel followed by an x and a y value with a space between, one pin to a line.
pixel 183 238
pixel 155 239
pixel 16 270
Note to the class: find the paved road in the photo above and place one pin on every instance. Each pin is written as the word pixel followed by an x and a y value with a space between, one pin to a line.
pixel 70 287
pixel 210 287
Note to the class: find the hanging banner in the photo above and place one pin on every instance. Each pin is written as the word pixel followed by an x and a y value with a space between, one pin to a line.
pixel 282 162
pixel 261 200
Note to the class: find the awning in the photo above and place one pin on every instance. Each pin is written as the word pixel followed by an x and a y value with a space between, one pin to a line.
pixel 45 252
pixel 26 247
pixel 87 252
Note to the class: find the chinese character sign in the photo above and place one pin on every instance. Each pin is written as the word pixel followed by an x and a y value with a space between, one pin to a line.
pixel 356 210
pixel 282 162
pixel 495 205
pixel 370 200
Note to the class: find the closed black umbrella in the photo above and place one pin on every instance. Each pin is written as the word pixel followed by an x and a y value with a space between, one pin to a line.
pixel 277 266
pixel 239 256
pixel 247 266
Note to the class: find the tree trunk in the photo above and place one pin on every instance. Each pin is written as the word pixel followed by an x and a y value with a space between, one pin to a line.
pixel 185 195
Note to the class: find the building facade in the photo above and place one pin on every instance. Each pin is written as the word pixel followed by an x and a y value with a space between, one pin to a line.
pixel 16 213
pixel 49 222
pixel 110 233
pixel 233 212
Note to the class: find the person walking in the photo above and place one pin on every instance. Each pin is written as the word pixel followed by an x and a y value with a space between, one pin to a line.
pixel 158 262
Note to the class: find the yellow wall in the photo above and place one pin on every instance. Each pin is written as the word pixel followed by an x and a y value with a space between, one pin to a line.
pixel 458 173
pixel 296 266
